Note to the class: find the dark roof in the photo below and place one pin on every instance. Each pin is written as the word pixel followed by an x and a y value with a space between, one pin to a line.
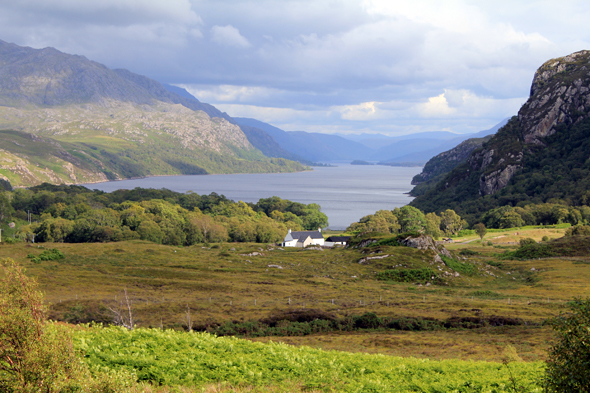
pixel 338 239
pixel 302 235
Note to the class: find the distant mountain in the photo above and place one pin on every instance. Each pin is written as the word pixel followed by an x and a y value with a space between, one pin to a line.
pixel 412 149
pixel 108 124
pixel 377 141
pixel 427 145
pixel 312 146
pixel 540 155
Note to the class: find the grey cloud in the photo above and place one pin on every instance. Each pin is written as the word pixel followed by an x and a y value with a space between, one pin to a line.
pixel 313 55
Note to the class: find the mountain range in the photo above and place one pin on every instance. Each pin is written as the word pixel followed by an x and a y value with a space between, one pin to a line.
pixel 67 119
pixel 413 149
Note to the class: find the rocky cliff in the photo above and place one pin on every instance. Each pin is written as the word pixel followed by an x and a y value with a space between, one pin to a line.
pixel 555 114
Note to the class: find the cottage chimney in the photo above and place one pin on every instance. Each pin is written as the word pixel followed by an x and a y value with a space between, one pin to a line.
pixel 319 229
pixel 289 230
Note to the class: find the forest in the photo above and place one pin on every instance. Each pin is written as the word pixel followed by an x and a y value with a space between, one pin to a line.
pixel 75 214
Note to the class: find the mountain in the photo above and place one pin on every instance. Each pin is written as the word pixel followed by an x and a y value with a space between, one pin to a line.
pixel 443 163
pixel 376 141
pixel 68 119
pixel 540 155
pixel 427 145
pixel 312 146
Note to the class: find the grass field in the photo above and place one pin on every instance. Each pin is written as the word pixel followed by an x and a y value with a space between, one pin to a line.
pixel 245 282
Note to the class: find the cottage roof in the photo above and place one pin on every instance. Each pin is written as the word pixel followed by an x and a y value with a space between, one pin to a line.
pixel 302 235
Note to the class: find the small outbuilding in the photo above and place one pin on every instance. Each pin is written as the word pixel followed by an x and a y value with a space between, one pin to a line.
pixel 337 241
pixel 303 238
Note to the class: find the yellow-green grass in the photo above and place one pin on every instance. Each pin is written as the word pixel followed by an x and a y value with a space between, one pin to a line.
pixel 222 282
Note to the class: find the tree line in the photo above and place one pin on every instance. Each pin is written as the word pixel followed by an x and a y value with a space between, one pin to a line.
pixel 76 214
pixel 449 223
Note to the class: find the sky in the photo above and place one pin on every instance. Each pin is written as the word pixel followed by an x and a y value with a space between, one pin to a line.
pixel 364 66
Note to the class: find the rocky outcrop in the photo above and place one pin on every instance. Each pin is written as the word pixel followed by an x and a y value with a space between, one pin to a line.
pixel 559 93
pixel 425 242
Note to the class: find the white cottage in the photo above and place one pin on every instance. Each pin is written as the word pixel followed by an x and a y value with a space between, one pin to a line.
pixel 304 238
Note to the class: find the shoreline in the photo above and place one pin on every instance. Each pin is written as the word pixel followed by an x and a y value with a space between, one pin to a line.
pixel 182 174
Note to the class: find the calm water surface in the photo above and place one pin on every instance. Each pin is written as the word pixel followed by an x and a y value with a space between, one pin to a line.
pixel 346 192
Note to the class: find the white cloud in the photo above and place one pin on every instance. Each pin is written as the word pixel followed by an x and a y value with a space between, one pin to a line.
pixel 229 35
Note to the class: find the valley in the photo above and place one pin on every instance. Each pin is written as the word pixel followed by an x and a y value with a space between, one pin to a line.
pixel 497 303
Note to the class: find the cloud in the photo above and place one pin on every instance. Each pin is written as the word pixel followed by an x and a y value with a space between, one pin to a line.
pixel 229 35
pixel 372 65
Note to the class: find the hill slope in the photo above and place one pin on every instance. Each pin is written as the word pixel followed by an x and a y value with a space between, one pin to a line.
pixel 539 155
pixel 118 124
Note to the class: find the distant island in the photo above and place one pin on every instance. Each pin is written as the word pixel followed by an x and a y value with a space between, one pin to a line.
pixel 360 162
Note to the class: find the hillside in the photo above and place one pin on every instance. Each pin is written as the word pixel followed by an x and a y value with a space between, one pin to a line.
pixel 443 163
pixel 91 123
pixel 537 156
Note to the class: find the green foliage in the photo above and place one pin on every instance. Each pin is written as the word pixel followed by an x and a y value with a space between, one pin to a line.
pixel 480 229
pixel 75 214
pixel 37 355
pixel 461 267
pixel 558 171
pixel 408 275
pixel 410 219
pixel 181 359
pixel 578 230
pixel 468 252
pixel 527 242
pixel 568 364
pixel 47 255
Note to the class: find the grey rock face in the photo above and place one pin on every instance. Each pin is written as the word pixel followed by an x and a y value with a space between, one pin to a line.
pixel 560 94
pixel 560 89
pixel 489 184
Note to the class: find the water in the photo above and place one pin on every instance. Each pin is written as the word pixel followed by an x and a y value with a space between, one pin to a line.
pixel 346 192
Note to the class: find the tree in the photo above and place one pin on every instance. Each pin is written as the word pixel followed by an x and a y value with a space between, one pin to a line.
pixel 35 355
pixel 569 357
pixel 480 230
pixel 511 219
pixel 410 219
pixel 451 222
pixel 433 223
pixel 6 209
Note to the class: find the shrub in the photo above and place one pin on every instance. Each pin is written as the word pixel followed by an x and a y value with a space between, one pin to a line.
pixel 527 241
pixel 545 238
pixel 568 364
pixel 408 275
pixel 47 255
pixel 468 252
pixel 463 268
pixel 37 355
pixel 578 230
